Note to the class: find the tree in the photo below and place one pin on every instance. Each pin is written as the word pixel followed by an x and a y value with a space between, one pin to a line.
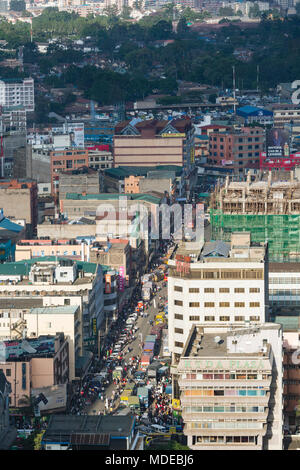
pixel 125 15
pixel 17 5
pixel 254 11
pixel 182 28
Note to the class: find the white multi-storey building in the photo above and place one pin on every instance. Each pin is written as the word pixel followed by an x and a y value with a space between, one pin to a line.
pixel 216 283
pixel 230 383
pixel 17 92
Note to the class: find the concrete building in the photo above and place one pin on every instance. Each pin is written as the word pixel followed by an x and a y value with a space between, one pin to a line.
pixel 8 433
pixel 268 207
pixel 117 254
pixel 99 158
pixel 31 363
pixel 89 205
pixel 230 383
pixel 16 92
pixel 286 115
pixel 216 282
pixel 110 433
pixel 75 249
pixel 284 280
pixel 252 114
pixel 58 229
pixel 82 180
pixel 120 179
pixel 19 198
pixel 150 143
pixel 57 282
pixel 237 149
pixel 65 160
pixel 291 366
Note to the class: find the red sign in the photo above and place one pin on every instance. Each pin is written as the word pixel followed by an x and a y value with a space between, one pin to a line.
pixel 287 163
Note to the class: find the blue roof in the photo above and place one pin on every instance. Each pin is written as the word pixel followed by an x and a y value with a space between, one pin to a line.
pixel 253 111
pixel 7 224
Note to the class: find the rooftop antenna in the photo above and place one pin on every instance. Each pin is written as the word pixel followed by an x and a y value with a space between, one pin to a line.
pixel 233 84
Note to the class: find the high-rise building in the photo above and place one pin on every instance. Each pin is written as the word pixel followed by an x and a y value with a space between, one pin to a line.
pixel 230 383
pixel 216 283
pixel 17 92
pixel 237 149
pixel 268 207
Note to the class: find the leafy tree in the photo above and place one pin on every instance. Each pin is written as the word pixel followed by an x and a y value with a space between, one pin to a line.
pixel 254 11
pixel 182 28
pixel 161 30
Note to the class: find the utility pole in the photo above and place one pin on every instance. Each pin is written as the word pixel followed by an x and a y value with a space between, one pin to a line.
pixel 233 84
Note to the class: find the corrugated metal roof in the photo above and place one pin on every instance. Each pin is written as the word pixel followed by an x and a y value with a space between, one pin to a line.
pixel 7 224
pixel 83 439
pixel 217 248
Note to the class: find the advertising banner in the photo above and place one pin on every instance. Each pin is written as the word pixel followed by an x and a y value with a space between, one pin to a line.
pixel 277 143
pixel 10 350
pixel 107 284
pixel 121 279
pixel 76 134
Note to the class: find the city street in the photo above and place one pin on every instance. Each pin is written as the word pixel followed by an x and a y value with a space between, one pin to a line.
pixel 144 329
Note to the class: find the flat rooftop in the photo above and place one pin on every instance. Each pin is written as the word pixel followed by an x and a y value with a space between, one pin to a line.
pixel 61 427
pixel 201 343
pixel 63 309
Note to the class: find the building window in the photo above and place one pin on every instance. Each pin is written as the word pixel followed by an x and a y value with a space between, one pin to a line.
pixel 8 372
pixel 178 302
pixel 178 316
pixel 254 290
pixel 224 304
pixel 24 377
pixel 178 344
pixel 224 318
pixel 224 290
pixel 209 304
pixel 178 288
pixel 239 304
pixel 209 290
pixel 194 290
pixel 239 290
pixel 254 304
pixel 255 318
pixel 194 318
pixel 179 331
pixel 194 304
pixel 239 318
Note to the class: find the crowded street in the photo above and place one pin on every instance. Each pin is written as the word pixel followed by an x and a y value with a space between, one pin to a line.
pixel 119 369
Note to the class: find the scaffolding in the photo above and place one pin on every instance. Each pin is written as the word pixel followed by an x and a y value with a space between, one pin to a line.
pixel 269 209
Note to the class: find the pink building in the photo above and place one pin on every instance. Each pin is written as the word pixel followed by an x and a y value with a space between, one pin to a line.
pixel 34 370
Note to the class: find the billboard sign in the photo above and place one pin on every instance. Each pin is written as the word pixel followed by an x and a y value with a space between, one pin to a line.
pixel 277 143
pixel 121 278
pixel 76 134
pixel 107 284
pixel 56 397
pixel 10 350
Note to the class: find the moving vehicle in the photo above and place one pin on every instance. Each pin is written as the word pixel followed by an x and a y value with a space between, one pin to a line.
pixel 158 428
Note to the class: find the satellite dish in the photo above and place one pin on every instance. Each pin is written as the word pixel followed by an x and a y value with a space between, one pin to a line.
pixel 217 339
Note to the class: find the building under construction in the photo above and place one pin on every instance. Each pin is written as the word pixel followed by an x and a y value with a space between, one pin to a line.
pixel 268 207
